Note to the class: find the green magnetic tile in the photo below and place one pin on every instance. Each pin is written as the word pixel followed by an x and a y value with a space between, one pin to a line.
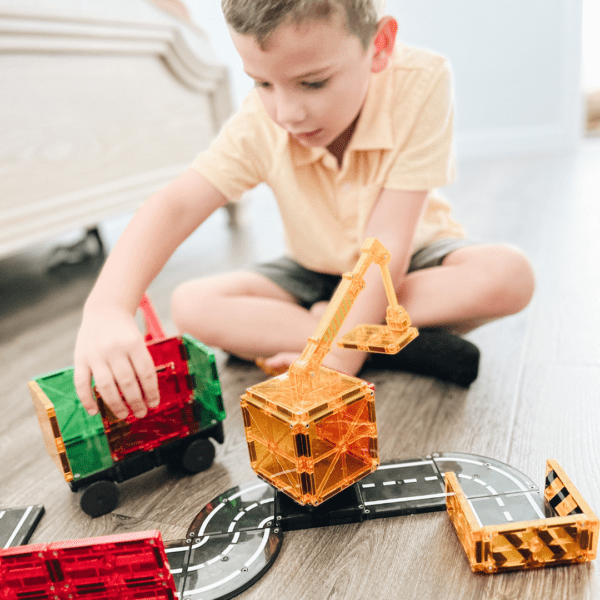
pixel 207 392
pixel 85 442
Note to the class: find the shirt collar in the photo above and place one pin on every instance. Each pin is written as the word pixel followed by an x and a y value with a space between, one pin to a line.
pixel 302 156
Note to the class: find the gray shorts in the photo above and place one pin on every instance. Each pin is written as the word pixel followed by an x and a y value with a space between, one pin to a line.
pixel 309 287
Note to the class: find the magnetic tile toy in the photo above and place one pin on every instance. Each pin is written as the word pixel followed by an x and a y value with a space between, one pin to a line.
pixel 311 432
pixel 125 567
pixel 524 533
pixel 93 453
pixel 235 538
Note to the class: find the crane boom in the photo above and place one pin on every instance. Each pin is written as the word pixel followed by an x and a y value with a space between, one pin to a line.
pixel 389 338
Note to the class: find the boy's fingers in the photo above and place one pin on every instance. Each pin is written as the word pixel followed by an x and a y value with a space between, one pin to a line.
pixel 107 388
pixel 126 379
pixel 146 374
pixel 82 379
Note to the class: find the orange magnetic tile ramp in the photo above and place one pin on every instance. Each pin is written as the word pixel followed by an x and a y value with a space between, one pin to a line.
pixel 567 533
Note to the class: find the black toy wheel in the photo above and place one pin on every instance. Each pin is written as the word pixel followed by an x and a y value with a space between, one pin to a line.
pixel 100 498
pixel 198 456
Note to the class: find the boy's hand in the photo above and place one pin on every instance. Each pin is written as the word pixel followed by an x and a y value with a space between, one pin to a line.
pixel 111 349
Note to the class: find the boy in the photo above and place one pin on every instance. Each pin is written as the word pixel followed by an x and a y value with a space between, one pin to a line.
pixel 353 137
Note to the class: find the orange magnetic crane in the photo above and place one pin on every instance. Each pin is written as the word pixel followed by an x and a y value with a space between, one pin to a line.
pixel 387 339
pixel 311 431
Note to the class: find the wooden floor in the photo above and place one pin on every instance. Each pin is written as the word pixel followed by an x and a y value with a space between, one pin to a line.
pixel 537 395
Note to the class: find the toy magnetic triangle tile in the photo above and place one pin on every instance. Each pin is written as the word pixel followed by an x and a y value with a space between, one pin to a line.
pixel 562 495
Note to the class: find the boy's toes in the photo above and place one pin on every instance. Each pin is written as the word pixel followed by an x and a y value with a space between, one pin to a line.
pixel 276 365
pixel 261 363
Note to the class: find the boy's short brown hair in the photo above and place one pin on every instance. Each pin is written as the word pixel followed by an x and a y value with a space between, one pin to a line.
pixel 260 18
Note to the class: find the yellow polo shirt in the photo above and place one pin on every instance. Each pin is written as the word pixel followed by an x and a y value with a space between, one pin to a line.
pixel 402 141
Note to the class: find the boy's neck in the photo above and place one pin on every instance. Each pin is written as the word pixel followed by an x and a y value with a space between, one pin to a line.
pixel 339 145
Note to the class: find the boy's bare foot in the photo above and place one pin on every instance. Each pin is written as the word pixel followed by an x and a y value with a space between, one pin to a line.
pixel 278 364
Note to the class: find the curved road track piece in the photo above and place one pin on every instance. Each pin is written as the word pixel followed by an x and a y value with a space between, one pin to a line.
pixel 236 537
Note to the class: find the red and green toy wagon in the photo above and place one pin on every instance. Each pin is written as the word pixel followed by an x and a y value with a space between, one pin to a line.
pixel 95 453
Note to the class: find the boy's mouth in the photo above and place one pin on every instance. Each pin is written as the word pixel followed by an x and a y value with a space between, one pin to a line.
pixel 307 135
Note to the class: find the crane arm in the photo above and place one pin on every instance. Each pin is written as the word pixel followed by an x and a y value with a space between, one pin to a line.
pixel 351 285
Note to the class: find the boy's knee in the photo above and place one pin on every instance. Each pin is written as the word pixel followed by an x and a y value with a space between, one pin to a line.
pixel 513 281
pixel 181 305
pixel 187 303
pixel 198 307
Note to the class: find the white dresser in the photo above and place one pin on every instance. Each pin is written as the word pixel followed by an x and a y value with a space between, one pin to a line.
pixel 101 103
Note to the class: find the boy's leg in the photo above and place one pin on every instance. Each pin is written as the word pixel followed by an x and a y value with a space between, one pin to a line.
pixel 473 285
pixel 470 286
pixel 243 313
pixel 247 314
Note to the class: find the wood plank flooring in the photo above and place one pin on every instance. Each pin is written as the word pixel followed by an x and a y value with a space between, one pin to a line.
pixel 537 395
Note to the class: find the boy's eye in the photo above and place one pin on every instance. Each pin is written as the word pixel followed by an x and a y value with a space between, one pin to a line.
pixel 315 85
pixel 262 84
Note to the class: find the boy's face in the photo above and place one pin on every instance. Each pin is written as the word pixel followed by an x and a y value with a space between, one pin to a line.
pixel 312 78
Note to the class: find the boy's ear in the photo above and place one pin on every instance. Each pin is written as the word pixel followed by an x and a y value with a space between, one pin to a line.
pixel 384 43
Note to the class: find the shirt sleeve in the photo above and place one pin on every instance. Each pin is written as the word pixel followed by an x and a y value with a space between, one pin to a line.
pixel 235 160
pixel 425 159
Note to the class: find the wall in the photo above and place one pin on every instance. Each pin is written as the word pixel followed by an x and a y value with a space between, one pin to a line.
pixel 208 14
pixel 591 46
pixel 516 69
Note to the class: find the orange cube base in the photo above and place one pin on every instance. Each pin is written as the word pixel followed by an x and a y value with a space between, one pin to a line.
pixel 311 444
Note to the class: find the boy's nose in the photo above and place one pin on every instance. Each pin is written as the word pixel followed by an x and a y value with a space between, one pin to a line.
pixel 290 111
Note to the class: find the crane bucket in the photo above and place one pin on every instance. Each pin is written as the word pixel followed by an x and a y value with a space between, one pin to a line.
pixel 377 338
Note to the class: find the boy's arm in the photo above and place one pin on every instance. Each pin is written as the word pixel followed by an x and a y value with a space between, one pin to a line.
pixel 109 346
pixel 393 221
